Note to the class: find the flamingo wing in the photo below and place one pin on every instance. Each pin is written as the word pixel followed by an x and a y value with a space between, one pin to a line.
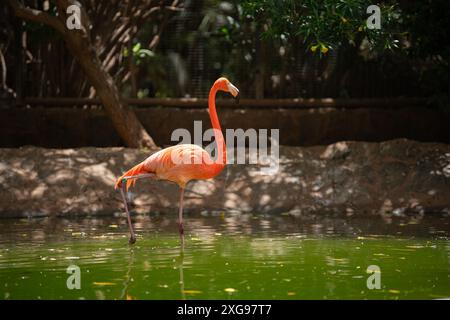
pixel 181 163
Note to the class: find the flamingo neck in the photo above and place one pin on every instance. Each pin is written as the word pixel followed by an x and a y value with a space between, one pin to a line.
pixel 221 147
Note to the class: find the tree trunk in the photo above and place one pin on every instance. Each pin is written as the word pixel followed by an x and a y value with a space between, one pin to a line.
pixel 124 119
pixel 80 45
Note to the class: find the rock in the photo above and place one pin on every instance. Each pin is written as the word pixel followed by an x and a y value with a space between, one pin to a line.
pixel 395 177
pixel 336 151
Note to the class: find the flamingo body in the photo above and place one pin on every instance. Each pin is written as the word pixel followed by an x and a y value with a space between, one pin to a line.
pixel 182 163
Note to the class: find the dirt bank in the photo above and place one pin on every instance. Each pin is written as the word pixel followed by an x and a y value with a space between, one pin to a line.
pixel 390 178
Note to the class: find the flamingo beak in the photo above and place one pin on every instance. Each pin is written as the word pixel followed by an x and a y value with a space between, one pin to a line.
pixel 233 90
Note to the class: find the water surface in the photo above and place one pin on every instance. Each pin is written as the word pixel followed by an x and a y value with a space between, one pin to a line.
pixel 226 257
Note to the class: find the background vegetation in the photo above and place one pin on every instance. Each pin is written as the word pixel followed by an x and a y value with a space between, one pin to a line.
pixel 177 48
pixel 272 48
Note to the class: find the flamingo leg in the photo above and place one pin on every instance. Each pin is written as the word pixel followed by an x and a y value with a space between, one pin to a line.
pixel 123 192
pixel 180 213
pixel 124 198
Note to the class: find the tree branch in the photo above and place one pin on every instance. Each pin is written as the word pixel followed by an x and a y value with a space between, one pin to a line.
pixel 36 15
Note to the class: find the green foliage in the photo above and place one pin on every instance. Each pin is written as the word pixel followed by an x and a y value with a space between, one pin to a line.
pixel 325 25
pixel 281 41
pixel 139 53
pixel 412 32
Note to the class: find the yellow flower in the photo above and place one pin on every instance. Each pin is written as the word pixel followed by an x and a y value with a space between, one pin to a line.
pixel 360 29
pixel 323 49
pixel 344 20
pixel 314 48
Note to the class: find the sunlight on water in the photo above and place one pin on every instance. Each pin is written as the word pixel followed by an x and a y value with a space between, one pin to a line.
pixel 226 257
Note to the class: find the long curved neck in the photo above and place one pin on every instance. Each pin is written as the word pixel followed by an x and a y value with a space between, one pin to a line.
pixel 221 147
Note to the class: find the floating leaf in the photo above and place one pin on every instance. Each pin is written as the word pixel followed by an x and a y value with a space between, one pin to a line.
pixel 192 291
pixel 230 290
pixel 104 284
pixel 394 291
pixel 136 47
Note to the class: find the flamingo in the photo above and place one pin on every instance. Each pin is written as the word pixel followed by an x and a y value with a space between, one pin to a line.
pixel 166 165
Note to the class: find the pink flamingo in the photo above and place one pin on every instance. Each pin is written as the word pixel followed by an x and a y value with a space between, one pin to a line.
pixel 181 163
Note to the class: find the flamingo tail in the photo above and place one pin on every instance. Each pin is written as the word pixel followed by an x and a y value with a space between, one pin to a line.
pixel 137 169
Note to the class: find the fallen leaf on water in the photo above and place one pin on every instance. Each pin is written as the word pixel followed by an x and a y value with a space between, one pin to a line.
pixel 394 291
pixel 113 226
pixel 191 291
pixel 365 238
pixel 130 297
pixel 76 234
pixel 415 247
pixel 291 293
pixel 229 290
pixel 104 284
pixel 99 237
pixel 339 259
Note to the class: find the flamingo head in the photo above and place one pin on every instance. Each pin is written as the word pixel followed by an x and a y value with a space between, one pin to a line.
pixel 225 85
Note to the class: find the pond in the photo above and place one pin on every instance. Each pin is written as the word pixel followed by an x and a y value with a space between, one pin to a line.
pixel 226 256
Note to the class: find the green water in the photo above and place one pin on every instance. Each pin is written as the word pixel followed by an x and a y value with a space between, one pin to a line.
pixel 226 257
